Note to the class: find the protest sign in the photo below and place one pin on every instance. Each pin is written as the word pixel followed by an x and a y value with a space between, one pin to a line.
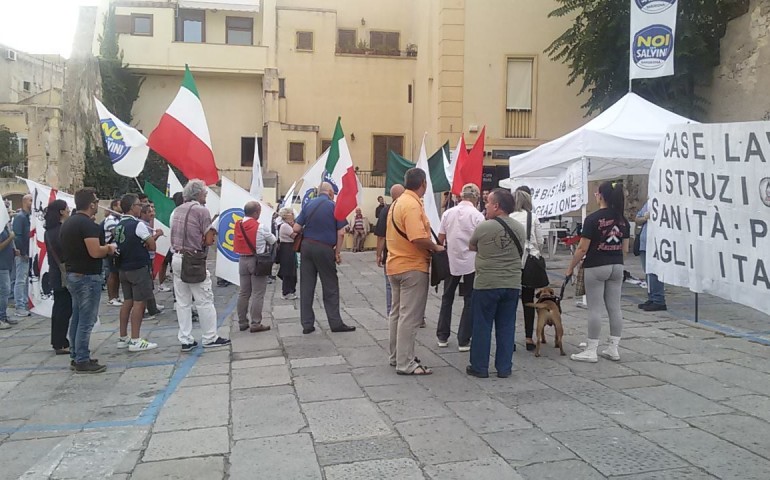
pixel 709 201
pixel 557 195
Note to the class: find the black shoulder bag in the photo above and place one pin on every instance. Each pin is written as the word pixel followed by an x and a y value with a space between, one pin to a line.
pixel 534 273
pixel 193 262
pixel 298 239
pixel 439 261
pixel 264 260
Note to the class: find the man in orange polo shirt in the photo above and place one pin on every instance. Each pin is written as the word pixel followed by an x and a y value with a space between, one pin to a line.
pixel 409 248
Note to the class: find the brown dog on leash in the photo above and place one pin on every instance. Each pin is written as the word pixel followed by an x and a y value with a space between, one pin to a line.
pixel 548 313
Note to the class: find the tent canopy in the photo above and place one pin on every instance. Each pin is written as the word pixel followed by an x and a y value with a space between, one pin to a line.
pixel 623 140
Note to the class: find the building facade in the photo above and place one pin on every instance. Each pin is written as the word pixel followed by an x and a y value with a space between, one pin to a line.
pixel 278 73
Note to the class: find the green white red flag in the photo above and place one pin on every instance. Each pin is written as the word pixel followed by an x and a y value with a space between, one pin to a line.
pixel 340 169
pixel 182 136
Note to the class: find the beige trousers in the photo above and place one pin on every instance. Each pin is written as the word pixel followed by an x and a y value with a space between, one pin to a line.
pixel 410 294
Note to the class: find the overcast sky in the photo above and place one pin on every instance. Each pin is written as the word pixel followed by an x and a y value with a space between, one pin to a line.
pixel 40 26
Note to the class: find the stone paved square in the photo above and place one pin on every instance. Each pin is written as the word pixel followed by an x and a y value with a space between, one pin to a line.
pixel 684 402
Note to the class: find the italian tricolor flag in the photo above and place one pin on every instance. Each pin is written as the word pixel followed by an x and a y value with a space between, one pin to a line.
pixel 339 165
pixel 182 136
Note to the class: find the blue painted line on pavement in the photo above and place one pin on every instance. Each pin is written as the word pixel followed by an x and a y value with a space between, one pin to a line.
pixel 150 413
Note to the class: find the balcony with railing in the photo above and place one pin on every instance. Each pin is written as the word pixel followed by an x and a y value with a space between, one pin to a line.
pixel 371 179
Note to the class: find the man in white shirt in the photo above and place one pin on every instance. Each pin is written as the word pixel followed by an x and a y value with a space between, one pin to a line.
pixel 457 226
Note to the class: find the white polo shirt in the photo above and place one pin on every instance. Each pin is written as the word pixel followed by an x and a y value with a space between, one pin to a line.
pixel 458 224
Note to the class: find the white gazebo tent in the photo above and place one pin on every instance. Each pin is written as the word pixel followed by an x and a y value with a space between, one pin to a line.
pixel 622 140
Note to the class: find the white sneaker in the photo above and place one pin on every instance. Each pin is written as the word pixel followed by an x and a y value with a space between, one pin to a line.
pixel 443 344
pixel 123 342
pixel 160 308
pixel 611 352
pixel 140 345
pixel 589 354
pixel 4 325
pixel 114 302
pixel 291 296
pixel 466 348
pixel 163 288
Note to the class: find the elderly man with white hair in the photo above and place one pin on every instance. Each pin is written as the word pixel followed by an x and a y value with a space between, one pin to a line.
pixel 191 234
pixel 457 227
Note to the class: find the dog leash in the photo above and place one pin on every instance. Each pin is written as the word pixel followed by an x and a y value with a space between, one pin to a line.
pixel 564 285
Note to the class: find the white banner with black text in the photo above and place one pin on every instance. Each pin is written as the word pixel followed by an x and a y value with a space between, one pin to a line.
pixel 555 196
pixel 709 200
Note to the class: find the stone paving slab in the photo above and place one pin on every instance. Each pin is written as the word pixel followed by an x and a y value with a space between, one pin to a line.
pixel 338 420
pixel 525 447
pixel 492 468
pixel 265 415
pixel 401 468
pixel 457 443
pixel 275 458
pixel 361 450
pixel 205 468
pixel 187 443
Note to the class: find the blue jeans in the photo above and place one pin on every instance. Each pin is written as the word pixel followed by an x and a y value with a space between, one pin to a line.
pixel 496 307
pixel 5 292
pixel 86 291
pixel 21 288
pixel 388 294
pixel 655 288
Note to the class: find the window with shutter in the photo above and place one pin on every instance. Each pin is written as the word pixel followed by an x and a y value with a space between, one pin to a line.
pixel 297 152
pixel 385 43
pixel 381 145
pixel 325 144
pixel 240 30
pixel 346 40
pixel 191 26
pixel 305 41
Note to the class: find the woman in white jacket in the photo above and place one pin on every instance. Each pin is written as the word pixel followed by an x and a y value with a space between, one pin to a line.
pixel 522 208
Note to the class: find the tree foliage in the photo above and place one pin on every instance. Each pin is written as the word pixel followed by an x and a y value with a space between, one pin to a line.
pixel 120 89
pixel 596 48
pixel 12 160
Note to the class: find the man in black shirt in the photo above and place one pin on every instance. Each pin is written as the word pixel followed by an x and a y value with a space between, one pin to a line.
pixel 380 230
pixel 83 250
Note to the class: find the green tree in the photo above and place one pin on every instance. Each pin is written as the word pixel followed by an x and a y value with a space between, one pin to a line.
pixel 12 160
pixel 596 48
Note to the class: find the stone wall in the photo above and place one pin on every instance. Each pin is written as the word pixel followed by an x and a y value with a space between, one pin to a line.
pixel 739 90
pixel 82 82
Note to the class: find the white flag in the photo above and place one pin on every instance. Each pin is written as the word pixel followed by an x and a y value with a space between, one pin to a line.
pixel 233 200
pixel 429 199
pixel 450 164
pixel 126 146
pixel 257 184
pixel 652 35
pixel 173 185
pixel 311 179
pixel 40 293
pixel 4 217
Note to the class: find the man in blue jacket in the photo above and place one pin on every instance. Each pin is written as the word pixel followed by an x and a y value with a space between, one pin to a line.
pixel 21 227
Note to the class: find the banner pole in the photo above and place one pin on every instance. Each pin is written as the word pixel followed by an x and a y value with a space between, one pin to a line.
pixel 138 185
pixel 696 307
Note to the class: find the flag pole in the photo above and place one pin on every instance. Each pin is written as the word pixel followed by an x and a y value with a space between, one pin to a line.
pixel 138 185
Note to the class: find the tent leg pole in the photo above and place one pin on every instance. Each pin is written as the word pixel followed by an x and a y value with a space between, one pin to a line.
pixel 584 214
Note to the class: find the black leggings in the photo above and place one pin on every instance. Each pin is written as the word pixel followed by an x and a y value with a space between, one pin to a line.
pixel 528 296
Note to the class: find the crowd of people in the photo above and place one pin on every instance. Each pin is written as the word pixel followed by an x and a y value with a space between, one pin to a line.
pixel 487 237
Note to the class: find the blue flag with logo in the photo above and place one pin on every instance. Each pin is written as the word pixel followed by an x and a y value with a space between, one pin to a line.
pixel 126 147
